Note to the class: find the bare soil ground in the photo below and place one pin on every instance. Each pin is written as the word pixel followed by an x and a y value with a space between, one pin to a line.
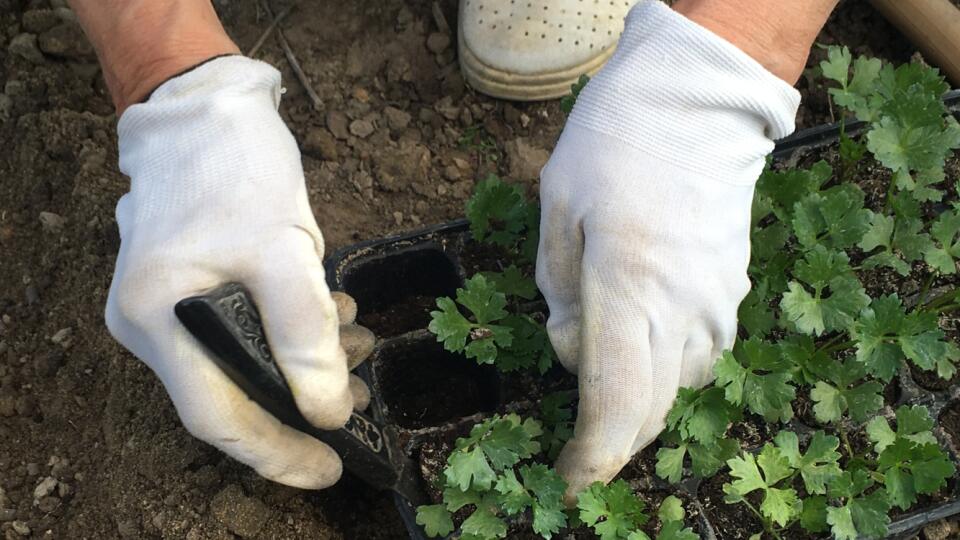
pixel 90 446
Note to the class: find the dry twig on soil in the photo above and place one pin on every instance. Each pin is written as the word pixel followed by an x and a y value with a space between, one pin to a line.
pixel 294 64
pixel 266 33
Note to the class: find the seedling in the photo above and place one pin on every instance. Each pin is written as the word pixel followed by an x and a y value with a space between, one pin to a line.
pixel 809 329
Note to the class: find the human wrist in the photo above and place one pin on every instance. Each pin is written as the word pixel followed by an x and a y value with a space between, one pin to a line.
pixel 776 33
pixel 142 43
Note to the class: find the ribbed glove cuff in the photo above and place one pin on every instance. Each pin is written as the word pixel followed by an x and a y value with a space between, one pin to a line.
pixel 212 128
pixel 717 100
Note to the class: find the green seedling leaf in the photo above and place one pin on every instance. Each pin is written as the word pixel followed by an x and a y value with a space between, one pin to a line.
pixel 548 488
pixel 943 254
pixel 756 375
pixel 813 517
pixel 557 415
pixel 671 509
pixel 701 415
pixel 836 298
pixel 435 520
pixel 512 282
pixel 780 504
pixel 485 523
pixel 913 424
pixel 529 346
pixel 674 530
pixel 859 514
pixel 567 102
pixel 834 218
pixel 886 335
pixel 613 511
pixel 486 305
pixel 818 465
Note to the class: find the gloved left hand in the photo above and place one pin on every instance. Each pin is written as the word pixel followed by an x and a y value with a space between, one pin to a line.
pixel 217 194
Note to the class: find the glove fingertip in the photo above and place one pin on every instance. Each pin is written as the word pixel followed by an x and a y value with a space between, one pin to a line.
pixel 360 392
pixel 346 307
pixel 582 463
pixel 357 343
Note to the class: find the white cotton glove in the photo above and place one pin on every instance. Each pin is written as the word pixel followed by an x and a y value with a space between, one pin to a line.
pixel 645 229
pixel 217 195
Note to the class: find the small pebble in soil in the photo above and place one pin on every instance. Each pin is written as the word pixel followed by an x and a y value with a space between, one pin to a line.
pixel 942 530
pixel 21 528
pixel 338 124
pixel 66 40
pixel 63 337
pixel 44 488
pixel 397 119
pixel 25 46
pixel 525 159
pixel 39 20
pixel 362 128
pixel 447 108
pixel 242 515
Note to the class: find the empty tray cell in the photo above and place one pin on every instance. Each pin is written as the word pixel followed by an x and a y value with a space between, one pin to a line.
pixel 423 385
pixel 395 292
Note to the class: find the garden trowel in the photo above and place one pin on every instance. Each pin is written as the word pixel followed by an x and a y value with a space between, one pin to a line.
pixel 226 321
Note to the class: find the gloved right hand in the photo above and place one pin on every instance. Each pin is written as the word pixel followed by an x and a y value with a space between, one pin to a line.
pixel 645 227
pixel 217 194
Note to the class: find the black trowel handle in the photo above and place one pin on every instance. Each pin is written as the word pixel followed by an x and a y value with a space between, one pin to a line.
pixel 227 322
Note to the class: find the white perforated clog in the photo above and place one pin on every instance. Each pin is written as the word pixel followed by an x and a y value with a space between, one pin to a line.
pixel 535 49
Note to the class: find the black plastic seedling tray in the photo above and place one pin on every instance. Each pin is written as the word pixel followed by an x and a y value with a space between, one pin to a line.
pixel 396 282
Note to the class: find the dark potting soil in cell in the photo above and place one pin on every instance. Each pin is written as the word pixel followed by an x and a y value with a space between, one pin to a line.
pixel 753 431
pixel 730 521
pixel 395 294
pixel 406 315
pixel 931 381
pixel 423 385
pixel 476 257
